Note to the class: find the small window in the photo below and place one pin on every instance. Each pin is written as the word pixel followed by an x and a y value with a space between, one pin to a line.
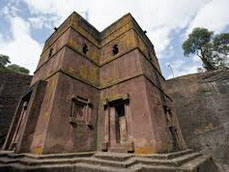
pixel 165 109
pixel 150 58
pixel 115 49
pixel 170 111
pixel 50 52
pixel 85 48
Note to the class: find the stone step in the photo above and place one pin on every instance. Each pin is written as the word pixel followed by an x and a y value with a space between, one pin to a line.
pixel 85 167
pixel 115 161
pixel 158 168
pixel 113 156
pixel 125 164
pixel 186 158
pixel 11 154
pixel 109 163
pixel 118 149
pixel 92 161
pixel 173 162
pixel 125 156
pixel 89 161
pixel 180 153
pixel 80 167
pixel 200 163
pixel 166 155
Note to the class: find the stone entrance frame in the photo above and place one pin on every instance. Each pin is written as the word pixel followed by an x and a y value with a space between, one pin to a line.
pixel 19 137
pixel 117 125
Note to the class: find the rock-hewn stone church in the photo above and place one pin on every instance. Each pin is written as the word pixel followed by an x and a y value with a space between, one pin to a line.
pixel 98 92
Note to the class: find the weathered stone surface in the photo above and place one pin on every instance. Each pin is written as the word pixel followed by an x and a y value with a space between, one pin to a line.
pixel 12 86
pixel 202 106
pixel 183 161
pixel 104 91
pixel 98 91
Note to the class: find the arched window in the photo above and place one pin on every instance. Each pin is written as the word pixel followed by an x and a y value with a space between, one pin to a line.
pixel 115 49
pixel 150 57
pixel 85 49
pixel 50 52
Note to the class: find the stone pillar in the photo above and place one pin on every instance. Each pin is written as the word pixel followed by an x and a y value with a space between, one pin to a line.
pixel 113 134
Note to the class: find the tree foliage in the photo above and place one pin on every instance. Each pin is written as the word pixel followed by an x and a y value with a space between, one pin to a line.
pixel 4 60
pixel 18 69
pixel 212 49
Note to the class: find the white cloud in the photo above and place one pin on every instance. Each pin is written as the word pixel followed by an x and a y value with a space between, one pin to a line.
pixel 9 10
pixel 159 18
pixel 214 16
pixel 22 48
pixel 196 59
pixel 37 22
pixel 41 21
pixel 181 67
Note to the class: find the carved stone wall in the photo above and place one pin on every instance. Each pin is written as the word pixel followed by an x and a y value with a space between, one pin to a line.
pixel 78 62
pixel 202 106
pixel 12 86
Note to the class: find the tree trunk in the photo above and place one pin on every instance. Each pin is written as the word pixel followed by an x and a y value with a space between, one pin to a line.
pixel 207 65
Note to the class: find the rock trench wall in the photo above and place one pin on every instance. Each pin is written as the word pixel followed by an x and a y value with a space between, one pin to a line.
pixel 202 105
pixel 12 86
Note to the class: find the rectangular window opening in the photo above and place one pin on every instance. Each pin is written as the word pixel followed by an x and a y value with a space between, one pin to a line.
pixel 120 110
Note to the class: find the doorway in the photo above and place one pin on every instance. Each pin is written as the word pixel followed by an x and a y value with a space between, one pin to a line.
pixel 21 121
pixel 117 118
pixel 121 125
pixel 117 125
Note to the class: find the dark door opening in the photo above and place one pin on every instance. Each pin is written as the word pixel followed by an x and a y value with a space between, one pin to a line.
pixel 121 133
pixel 21 120
pixel 174 138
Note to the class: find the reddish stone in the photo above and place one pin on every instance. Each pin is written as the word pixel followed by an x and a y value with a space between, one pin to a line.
pixel 96 91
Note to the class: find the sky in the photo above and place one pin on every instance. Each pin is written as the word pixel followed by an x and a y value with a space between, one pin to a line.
pixel 26 24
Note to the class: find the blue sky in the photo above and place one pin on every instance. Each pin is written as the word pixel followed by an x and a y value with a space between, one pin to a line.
pixel 26 24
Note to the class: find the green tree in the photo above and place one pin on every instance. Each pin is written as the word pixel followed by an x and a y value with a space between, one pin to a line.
pixel 4 60
pixel 211 49
pixel 221 50
pixel 18 69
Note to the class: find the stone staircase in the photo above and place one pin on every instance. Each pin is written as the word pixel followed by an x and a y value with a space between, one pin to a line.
pixel 182 161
